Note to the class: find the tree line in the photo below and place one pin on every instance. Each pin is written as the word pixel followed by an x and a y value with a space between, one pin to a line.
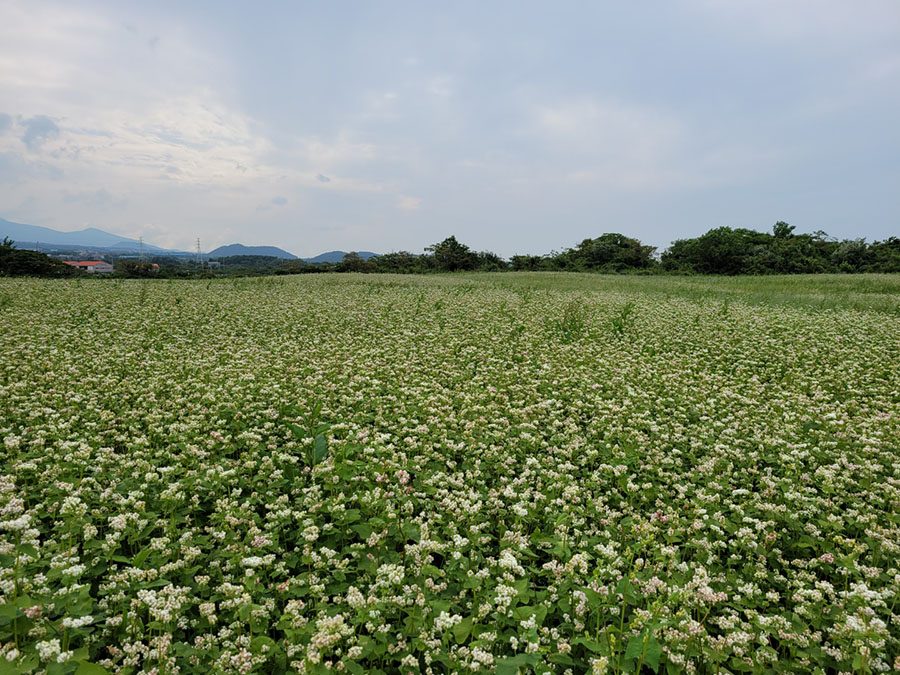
pixel 722 250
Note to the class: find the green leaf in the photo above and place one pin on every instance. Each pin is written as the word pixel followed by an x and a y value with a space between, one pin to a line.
pixel 299 432
pixel 539 612
pixel 8 613
pixel 367 644
pixel 27 549
pixel 88 668
pixel 184 649
pixel 635 647
pixel 563 659
pixel 462 629
pixel 141 557
pixel 431 571
pixel 363 530
pixel 652 653
pixel 595 647
pixel 511 665
pixel 521 585
pixel 321 449
pixel 261 641
pixel 412 532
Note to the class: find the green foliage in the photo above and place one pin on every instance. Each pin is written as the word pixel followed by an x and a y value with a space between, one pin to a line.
pixel 452 256
pixel 739 251
pixel 400 262
pixel 610 252
pixel 623 320
pixel 353 262
pixel 310 430
pixel 132 268
pixel 15 262
pixel 572 325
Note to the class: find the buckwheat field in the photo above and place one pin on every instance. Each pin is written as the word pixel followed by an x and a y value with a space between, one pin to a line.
pixel 478 473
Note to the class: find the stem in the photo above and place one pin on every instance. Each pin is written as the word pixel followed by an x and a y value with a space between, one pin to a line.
pixel 643 654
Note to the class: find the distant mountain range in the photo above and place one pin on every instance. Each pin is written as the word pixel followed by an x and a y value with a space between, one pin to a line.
pixel 92 240
pixel 338 256
pixel 240 249
pixel 32 236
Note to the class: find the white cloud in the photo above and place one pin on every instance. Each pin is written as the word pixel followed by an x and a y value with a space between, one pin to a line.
pixel 406 203
pixel 618 145
pixel 808 19
pixel 141 115
pixel 612 145
pixel 441 86
pixel 625 131
pixel 338 152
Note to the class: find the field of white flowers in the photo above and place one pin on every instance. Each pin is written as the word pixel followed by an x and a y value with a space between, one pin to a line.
pixel 504 473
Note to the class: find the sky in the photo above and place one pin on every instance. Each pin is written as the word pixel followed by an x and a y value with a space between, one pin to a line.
pixel 518 127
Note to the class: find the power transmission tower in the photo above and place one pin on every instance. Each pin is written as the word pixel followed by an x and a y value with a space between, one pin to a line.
pixel 199 254
pixel 141 255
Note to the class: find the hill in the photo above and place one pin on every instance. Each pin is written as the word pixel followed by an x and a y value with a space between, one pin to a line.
pixel 29 236
pixel 240 249
pixel 337 256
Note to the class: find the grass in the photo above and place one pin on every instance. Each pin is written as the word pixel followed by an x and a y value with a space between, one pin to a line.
pixel 862 292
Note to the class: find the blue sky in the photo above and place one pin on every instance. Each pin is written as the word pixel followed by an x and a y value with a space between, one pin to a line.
pixel 519 127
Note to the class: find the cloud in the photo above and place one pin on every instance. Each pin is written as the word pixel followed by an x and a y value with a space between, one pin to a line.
pixel 5 122
pixel 616 144
pixel 99 199
pixel 440 86
pixel 15 169
pixel 323 179
pixel 339 151
pixel 273 203
pixel 38 129
pixel 622 128
pixel 405 203
pixel 807 19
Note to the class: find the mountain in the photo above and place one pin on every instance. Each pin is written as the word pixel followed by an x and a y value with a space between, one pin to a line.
pixel 337 256
pixel 90 238
pixel 240 249
pixel 98 241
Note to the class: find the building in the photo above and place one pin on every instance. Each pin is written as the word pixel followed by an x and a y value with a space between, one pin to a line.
pixel 91 266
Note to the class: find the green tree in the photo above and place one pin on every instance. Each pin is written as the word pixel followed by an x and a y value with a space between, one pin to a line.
pixel 781 230
pixel 399 262
pixel 353 262
pixel 135 269
pixel 612 251
pixel 491 262
pixel 15 262
pixel 452 256
pixel 722 250
pixel 526 263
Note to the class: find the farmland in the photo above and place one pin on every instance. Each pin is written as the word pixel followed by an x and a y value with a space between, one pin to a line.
pixel 459 473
